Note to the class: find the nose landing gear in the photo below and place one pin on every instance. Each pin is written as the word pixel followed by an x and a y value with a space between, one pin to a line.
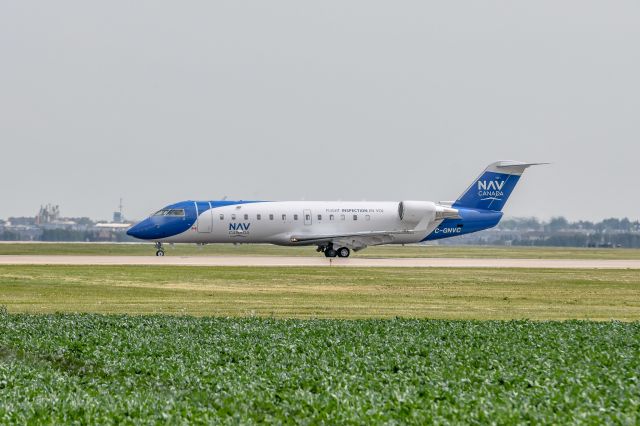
pixel 159 249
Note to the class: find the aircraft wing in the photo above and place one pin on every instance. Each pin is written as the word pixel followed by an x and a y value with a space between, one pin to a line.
pixel 356 240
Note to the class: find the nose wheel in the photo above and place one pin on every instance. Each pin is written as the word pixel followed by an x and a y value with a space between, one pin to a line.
pixel 159 249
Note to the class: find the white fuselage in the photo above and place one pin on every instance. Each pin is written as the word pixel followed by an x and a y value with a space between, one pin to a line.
pixel 335 227
pixel 277 222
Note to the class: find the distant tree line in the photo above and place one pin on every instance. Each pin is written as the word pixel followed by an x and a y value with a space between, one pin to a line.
pixel 557 224
pixel 68 229
pixel 560 232
pixel 60 234
pixel 74 235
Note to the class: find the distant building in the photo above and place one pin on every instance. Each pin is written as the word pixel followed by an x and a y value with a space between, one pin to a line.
pixel 49 225
pixel 118 217
pixel 48 214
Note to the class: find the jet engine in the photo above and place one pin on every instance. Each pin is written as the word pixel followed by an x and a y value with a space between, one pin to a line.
pixel 423 212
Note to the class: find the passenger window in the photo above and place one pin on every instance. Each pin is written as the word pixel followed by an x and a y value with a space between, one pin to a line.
pixel 284 217
pixel 341 217
pixel 270 217
pixel 307 217
pixel 221 217
pixel 258 216
pixel 246 217
pixel 233 217
pixel 330 217
pixel 319 217
pixel 367 217
pixel 295 217
pixel 355 217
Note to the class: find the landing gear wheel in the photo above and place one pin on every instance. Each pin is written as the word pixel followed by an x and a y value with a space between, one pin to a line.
pixel 160 250
pixel 343 252
pixel 330 252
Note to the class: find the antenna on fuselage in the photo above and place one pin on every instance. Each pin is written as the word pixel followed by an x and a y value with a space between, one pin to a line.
pixel 225 197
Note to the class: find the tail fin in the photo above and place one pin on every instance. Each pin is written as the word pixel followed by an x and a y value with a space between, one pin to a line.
pixel 492 188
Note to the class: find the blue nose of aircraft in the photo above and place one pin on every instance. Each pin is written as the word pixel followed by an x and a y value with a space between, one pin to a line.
pixel 142 229
pixel 157 227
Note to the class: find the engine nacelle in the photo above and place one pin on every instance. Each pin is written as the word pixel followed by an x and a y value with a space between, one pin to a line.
pixel 416 211
pixel 424 212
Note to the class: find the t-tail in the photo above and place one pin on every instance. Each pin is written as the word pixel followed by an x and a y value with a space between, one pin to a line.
pixel 491 190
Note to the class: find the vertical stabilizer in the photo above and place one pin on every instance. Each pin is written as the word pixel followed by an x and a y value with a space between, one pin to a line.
pixel 492 188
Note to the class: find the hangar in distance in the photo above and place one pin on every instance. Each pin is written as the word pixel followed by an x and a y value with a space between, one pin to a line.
pixel 335 227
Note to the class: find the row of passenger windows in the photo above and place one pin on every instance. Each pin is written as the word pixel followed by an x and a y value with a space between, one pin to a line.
pixel 296 217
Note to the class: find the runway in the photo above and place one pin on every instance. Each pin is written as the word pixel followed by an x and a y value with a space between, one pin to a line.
pixel 275 261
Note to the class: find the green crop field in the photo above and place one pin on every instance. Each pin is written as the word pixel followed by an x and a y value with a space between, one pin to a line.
pixel 446 293
pixel 249 345
pixel 135 249
pixel 95 369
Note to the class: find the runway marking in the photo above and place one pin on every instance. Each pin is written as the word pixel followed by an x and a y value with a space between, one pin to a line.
pixel 321 261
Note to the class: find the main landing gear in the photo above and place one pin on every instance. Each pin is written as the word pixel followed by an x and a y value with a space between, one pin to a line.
pixel 159 249
pixel 329 251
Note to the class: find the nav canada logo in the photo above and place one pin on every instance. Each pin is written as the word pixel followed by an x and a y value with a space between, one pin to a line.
pixel 239 229
pixel 491 190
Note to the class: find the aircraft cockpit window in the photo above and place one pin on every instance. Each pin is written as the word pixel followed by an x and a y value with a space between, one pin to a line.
pixel 170 212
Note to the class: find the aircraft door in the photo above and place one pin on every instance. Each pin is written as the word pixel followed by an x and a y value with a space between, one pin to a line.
pixel 205 217
pixel 307 216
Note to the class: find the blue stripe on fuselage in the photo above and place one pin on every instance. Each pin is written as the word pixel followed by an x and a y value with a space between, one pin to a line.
pixel 472 220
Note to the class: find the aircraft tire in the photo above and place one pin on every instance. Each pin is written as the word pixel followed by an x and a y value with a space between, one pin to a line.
pixel 160 253
pixel 343 252
pixel 330 252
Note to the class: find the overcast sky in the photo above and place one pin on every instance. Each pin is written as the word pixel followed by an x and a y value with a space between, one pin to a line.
pixel 157 102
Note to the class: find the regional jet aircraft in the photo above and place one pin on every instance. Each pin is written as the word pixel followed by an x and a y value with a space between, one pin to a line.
pixel 335 227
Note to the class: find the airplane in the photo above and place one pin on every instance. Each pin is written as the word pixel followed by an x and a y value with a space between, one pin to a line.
pixel 335 227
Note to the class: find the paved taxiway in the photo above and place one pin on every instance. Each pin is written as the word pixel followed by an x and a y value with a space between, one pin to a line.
pixel 320 261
